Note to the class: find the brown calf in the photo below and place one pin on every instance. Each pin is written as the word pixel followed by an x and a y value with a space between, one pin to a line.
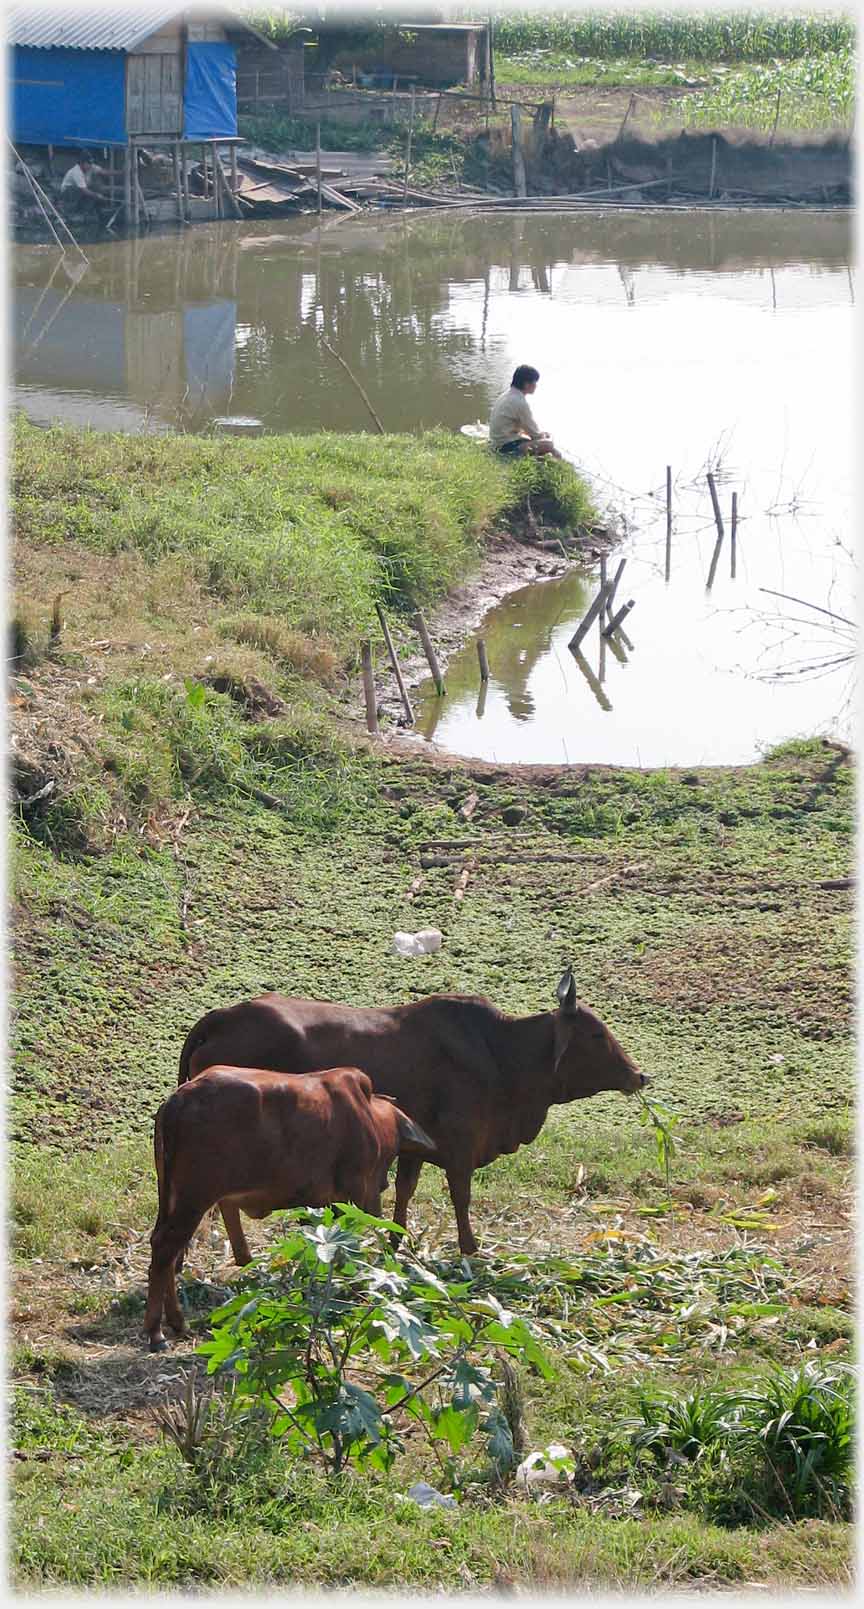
pixel 263 1140
pixel 480 1083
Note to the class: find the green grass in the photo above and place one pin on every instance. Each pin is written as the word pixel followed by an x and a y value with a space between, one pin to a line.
pixel 553 68
pixel 277 132
pixel 140 1518
pixel 708 947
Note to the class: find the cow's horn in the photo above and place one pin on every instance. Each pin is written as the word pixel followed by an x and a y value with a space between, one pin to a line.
pixel 566 991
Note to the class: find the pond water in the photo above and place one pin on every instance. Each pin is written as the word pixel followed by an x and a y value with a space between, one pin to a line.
pixel 699 340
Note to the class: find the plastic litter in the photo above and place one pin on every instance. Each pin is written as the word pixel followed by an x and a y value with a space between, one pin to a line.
pixel 539 1470
pixel 421 943
pixel 426 1496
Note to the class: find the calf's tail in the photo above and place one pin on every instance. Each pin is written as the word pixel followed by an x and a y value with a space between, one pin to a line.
pixel 163 1156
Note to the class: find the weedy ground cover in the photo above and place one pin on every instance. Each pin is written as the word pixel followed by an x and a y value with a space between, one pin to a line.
pixel 694 910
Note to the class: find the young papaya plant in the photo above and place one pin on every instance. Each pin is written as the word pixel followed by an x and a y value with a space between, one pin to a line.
pixel 346 1341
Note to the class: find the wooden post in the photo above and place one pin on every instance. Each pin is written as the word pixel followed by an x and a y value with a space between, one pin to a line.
pixel 184 179
pixel 668 521
pixel 130 198
pixel 216 159
pixel 491 64
pixel 622 614
pixel 484 662
pixel 234 180
pixel 437 110
pixel 733 535
pixel 406 702
pixel 318 163
pixel 430 654
pixel 175 153
pixel 520 186
pixel 601 601
pixel 718 517
pixel 603 580
pixel 713 166
pixel 408 145
pixel 369 687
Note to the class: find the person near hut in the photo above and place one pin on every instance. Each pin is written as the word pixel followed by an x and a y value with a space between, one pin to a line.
pixel 80 191
pixel 513 430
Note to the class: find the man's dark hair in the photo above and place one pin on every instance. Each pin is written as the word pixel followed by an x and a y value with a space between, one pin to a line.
pixel 524 375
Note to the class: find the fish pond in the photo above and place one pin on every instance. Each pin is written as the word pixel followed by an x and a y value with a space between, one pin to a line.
pixel 704 341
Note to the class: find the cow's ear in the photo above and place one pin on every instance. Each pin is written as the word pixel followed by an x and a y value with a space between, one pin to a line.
pixel 566 992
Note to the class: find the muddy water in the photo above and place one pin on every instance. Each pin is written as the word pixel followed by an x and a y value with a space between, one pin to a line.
pixel 686 339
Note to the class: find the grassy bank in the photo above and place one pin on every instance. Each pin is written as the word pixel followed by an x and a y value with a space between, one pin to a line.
pixel 271 851
pixel 205 584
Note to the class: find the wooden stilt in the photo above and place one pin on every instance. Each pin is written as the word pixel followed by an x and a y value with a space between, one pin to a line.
pixel 127 185
pixel 175 152
pixel 234 180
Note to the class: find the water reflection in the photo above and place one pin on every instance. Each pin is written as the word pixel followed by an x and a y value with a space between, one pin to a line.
pixel 177 329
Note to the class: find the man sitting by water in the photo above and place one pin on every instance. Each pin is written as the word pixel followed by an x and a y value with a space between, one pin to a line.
pixel 78 191
pixel 512 426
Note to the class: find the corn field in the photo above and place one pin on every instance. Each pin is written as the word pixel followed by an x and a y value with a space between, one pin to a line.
pixel 753 36
pixel 816 93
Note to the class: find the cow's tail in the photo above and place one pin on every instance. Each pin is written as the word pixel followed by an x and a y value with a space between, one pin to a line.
pixel 196 1037
pixel 162 1156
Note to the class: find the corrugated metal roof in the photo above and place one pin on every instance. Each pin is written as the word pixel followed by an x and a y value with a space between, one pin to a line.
pixel 97 30
pixel 86 30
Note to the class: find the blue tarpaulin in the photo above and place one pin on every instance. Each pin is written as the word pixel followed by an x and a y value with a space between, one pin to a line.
pixel 68 97
pixel 210 98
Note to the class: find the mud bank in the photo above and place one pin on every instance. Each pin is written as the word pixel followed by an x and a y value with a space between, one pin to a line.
pixel 687 167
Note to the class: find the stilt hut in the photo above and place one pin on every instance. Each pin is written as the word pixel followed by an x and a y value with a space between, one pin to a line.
pixel 117 81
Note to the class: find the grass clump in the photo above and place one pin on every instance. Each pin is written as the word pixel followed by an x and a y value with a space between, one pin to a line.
pixel 779 1447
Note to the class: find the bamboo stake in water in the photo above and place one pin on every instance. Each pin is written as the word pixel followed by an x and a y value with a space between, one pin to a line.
pixel 406 702
pixel 615 580
pixel 733 535
pixel 430 653
pixel 668 521
pixel 484 662
pixel 718 517
pixel 589 618
pixel 603 580
pixel 369 688
pixel 622 614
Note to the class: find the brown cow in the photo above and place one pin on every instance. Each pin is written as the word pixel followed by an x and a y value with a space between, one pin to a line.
pixel 480 1083
pixel 262 1140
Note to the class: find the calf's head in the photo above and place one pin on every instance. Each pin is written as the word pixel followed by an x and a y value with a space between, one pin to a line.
pixel 588 1058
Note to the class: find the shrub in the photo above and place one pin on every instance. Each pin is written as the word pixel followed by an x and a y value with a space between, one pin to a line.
pixel 333 1296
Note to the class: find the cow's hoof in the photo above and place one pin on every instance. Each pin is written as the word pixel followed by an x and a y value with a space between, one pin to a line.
pixel 159 1344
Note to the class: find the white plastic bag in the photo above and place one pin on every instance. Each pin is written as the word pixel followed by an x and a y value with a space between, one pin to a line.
pixel 421 943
